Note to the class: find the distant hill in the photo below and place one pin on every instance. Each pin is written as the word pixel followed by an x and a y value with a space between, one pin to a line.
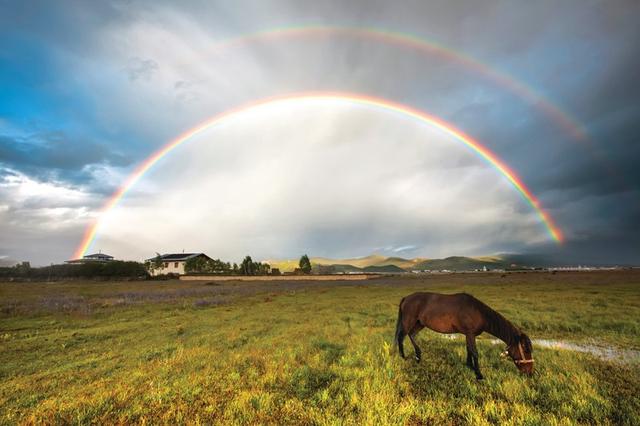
pixel 359 262
pixel 285 265
pixel 334 269
pixel 338 268
pixel 459 263
pixel 378 263
pixel 393 269
pixel 407 264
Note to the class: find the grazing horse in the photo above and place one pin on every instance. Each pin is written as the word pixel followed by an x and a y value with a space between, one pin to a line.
pixel 464 314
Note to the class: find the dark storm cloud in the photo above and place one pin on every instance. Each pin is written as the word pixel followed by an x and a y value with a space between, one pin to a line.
pixel 71 24
pixel 56 156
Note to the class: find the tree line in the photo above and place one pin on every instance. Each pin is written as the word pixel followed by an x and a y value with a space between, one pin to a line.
pixel 113 269
pixel 201 265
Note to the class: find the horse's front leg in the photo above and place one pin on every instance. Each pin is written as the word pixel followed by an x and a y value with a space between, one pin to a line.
pixel 473 351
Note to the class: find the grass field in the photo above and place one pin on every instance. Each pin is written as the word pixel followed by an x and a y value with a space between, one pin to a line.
pixel 308 353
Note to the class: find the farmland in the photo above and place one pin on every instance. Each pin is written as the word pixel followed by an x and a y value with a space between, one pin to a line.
pixel 310 352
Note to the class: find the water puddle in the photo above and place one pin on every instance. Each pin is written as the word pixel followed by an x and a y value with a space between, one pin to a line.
pixel 598 350
pixel 603 352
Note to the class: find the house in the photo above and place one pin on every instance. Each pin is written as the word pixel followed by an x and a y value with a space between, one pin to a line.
pixel 96 257
pixel 172 263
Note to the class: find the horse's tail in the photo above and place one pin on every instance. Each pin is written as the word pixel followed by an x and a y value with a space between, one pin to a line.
pixel 400 330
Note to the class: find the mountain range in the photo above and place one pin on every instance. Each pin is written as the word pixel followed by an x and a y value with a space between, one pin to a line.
pixel 378 263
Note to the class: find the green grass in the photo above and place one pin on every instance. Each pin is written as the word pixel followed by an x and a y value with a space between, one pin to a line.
pixel 307 353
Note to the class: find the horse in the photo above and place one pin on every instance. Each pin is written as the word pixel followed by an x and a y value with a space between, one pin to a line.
pixel 464 314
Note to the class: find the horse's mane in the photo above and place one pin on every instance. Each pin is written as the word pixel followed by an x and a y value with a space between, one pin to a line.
pixel 498 325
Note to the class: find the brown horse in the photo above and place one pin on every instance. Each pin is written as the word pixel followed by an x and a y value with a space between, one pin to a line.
pixel 464 314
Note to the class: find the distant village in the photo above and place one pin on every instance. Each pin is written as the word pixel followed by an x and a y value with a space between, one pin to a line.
pixel 178 264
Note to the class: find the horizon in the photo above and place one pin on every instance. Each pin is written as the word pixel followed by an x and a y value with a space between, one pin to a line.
pixel 520 259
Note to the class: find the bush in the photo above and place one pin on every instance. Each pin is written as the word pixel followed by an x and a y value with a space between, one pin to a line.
pixel 113 269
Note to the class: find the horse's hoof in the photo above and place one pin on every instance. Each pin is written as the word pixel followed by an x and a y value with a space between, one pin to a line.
pixel 417 359
pixel 479 377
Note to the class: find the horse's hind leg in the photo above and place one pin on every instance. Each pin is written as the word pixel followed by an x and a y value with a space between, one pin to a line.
pixel 412 337
pixel 473 351
pixel 469 359
pixel 400 342
pixel 400 334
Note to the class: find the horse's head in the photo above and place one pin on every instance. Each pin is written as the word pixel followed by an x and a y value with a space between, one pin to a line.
pixel 520 352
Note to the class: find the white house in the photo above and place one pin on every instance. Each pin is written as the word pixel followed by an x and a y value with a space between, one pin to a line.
pixel 172 263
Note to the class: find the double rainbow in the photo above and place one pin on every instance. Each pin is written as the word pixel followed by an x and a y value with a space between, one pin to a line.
pixel 357 99
pixel 423 46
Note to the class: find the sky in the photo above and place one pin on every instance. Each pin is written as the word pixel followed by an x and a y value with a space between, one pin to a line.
pixel 90 90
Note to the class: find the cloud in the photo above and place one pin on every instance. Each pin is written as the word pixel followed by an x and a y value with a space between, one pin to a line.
pixel 56 156
pixel 141 69
pixel 404 248
pixel 40 221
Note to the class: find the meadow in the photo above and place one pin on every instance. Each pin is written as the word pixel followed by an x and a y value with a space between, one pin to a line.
pixel 305 352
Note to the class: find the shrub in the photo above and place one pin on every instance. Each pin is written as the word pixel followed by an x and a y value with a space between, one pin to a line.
pixel 113 269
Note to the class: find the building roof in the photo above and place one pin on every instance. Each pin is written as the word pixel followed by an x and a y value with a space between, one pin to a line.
pixel 98 256
pixel 91 258
pixel 176 257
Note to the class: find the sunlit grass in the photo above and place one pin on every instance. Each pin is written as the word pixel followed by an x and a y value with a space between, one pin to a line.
pixel 318 354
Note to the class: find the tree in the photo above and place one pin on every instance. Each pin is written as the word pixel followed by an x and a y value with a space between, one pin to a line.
pixel 263 268
pixel 121 268
pixel 305 264
pixel 247 267
pixel 197 264
pixel 154 264
pixel 217 266
pixel 23 268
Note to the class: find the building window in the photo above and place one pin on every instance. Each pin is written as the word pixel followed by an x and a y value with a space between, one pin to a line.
pixel 175 265
pixel 166 264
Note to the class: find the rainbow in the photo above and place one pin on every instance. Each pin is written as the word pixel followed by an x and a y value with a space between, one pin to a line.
pixel 562 119
pixel 410 41
pixel 358 99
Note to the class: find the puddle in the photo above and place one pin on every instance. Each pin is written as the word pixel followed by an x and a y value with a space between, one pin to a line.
pixel 598 350
pixel 604 352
